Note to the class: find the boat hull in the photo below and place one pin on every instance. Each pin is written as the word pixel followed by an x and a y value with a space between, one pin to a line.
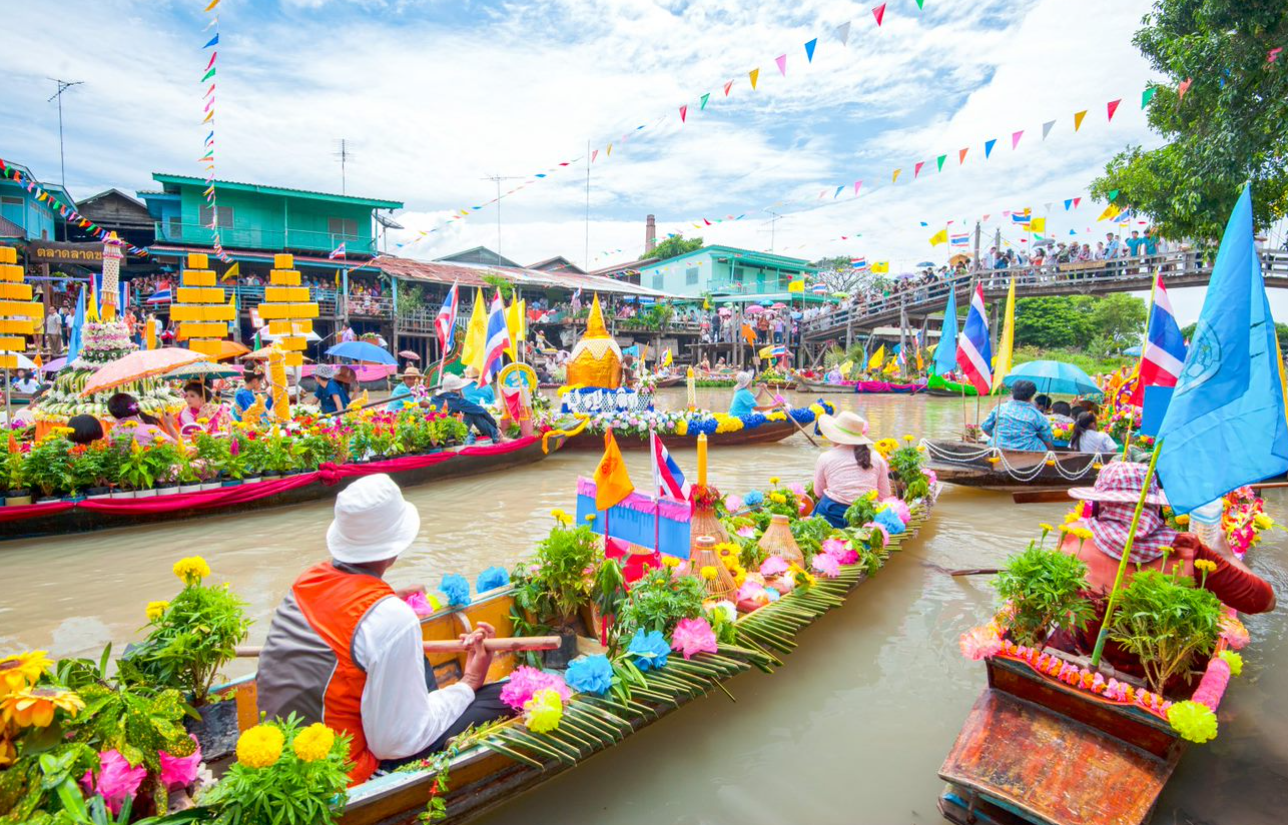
pixel 942 388
pixel 967 464
pixel 862 387
pixel 767 433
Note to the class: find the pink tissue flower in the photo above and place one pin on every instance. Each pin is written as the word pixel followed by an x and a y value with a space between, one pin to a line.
pixel 747 532
pixel 1212 686
pixel 932 478
pixel 733 502
pixel 420 604
pixel 798 489
pixel 900 508
pixel 841 550
pixel 693 636
pixel 980 643
pixel 826 565
pixel 750 590
pixel 880 527
pixel 773 565
pixel 180 771
pixel 1234 633
pixel 116 780
pixel 525 681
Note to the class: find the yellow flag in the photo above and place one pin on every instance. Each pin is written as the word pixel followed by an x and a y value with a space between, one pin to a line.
pixel 612 482
pixel 472 351
pixel 514 324
pixel 706 305
pixel 1006 343
pixel 892 367
pixel 1283 379
pixel 877 359
pixel 233 271
pixel 939 237
pixel 796 286
pixel 846 366
pixel 880 266
pixel 1109 214
pixel 666 358
pixel 1037 225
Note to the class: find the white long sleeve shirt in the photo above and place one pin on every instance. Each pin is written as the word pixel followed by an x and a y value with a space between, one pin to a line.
pixel 400 715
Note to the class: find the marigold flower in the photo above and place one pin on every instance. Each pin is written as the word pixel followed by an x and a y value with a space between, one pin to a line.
pixel 774 480
pixel 260 746
pixel 22 670
pixel 157 609
pixel 314 743
pixel 993 459
pixel 590 517
pixel 1263 521
pixel 191 569
pixel 34 707
pixel 670 561
pixel 1046 527
pixel 909 438
pixel 1205 565
pixel 8 753
pixel 708 572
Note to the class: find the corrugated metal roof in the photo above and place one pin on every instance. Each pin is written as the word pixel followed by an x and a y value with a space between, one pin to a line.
pixel 189 180
pixel 443 272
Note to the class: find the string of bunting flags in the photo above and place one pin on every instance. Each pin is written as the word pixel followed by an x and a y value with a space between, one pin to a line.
pixel 208 159
pixel 67 211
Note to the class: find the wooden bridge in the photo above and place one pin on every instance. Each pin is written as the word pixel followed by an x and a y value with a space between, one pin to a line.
pixel 917 301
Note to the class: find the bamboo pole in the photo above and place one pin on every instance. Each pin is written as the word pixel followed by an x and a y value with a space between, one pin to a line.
pixel 508 644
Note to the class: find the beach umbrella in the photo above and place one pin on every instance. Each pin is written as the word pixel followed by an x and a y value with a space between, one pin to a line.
pixel 725 312
pixel 1054 376
pixel 55 365
pixel 229 349
pixel 409 355
pixel 24 363
pixel 361 351
pixel 766 303
pixel 145 363
pixel 203 370
pixel 754 309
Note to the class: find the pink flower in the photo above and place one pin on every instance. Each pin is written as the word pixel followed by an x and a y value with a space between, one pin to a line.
pixel 750 590
pixel 180 771
pixel 420 604
pixel 979 643
pixel 932 478
pixel 1212 686
pixel 841 550
pixel 747 532
pixel 733 502
pixel 525 681
pixel 693 636
pixel 116 780
pixel 900 508
pixel 798 489
pixel 1234 633
pixel 826 565
pixel 772 566
pixel 880 527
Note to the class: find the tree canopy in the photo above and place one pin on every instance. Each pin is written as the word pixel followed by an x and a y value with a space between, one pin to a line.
pixel 1225 129
pixel 1079 322
pixel 674 246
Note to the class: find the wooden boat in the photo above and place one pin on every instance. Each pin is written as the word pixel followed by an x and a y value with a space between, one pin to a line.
pixel 811 386
pixel 971 464
pixel 670 381
pixel 767 433
pixel 862 387
pixel 63 517
pixel 509 760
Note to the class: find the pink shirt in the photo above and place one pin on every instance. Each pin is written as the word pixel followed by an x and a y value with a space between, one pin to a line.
pixel 838 476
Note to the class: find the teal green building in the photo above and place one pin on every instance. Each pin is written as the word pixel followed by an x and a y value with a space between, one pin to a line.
pixel 728 274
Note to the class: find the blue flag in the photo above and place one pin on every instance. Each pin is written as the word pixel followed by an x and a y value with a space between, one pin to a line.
pixel 78 326
pixel 1225 426
pixel 946 352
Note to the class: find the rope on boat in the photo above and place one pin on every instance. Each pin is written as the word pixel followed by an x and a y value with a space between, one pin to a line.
pixel 1021 474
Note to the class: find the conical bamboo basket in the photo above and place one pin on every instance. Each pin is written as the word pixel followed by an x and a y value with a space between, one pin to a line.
pixel 779 541
pixel 704 555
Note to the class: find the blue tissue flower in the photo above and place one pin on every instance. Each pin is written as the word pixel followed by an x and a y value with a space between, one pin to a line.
pixel 772 594
pixel 753 499
pixel 456 588
pixel 802 415
pixel 650 649
pixel 492 578
pixel 889 519
pixel 590 674
pixel 753 421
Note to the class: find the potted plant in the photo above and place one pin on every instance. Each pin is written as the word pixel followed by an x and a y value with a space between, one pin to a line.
pixel 234 465
pixel 189 473
pixel 660 600
pixel 554 586
pixel 137 471
pixel 17 494
pixel 1168 623
pixel 47 468
pixel 88 470
pixel 1044 589
pixel 165 457
pixel 255 452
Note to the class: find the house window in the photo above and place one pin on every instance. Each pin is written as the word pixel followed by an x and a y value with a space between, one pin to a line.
pixel 342 228
pixel 176 227
pixel 10 201
pixel 225 216
pixel 691 276
pixel 657 281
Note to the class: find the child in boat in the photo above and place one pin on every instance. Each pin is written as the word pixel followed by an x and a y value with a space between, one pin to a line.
pixel 1087 438
pixel 849 470
pixel 129 418
pixel 1113 502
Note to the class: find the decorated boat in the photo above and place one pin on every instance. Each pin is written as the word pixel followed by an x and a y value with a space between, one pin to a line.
pixel 974 464
pixel 863 387
pixel 939 386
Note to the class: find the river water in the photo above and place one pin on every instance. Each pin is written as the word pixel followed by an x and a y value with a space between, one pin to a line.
pixel 851 730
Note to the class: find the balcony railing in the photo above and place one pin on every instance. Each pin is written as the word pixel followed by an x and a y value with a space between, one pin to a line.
pixel 270 239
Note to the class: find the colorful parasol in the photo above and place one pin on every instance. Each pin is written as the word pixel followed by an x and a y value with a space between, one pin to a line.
pixel 136 366
pixel 204 369
pixel 229 349
pixel 409 355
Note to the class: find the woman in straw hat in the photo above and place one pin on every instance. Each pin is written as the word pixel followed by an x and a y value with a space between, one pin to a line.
pixel 408 392
pixel 1098 539
pixel 849 470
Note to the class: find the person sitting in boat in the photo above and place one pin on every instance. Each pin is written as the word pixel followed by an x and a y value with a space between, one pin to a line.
pixel 25 383
pixel 483 396
pixel 744 400
pixel 197 407
pixel 1112 503
pixel 129 418
pixel 452 400
pixel 1017 424
pixel 408 393
pixel 245 397
pixel 85 429
pixel 1087 439
pixel 344 648
pixel 1043 403
pixel 333 395
pixel 1061 414
pixel 834 375
pixel 849 470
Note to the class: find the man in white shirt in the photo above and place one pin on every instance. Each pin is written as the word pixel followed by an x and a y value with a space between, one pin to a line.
pixel 25 384
pixel 345 649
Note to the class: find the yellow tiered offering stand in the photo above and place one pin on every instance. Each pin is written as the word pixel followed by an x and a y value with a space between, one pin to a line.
pixel 201 308
pixel 288 309
pixel 20 316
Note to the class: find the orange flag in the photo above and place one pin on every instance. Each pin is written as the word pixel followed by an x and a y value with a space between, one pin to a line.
pixel 612 483
pixel 749 334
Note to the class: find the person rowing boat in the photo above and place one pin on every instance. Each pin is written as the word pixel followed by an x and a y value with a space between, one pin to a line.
pixel 344 648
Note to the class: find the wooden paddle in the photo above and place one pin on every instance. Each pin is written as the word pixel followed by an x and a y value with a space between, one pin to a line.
pixel 779 405
pixel 509 644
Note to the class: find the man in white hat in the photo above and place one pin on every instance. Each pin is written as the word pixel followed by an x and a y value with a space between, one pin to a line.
pixel 450 398
pixel 744 400
pixel 344 649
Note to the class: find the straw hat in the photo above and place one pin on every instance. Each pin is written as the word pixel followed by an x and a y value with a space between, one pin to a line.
pixel 472 372
pixel 372 522
pixel 844 428
pixel 452 383
pixel 1121 482
pixel 410 372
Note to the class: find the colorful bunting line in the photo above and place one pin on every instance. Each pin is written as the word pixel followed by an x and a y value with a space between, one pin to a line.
pixel 67 212
pixel 207 160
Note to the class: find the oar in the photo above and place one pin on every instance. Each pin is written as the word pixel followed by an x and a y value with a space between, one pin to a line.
pixel 779 405
pixel 509 644
pixel 367 406
pixel 974 571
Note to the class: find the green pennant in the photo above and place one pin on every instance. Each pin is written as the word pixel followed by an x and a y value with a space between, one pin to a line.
pixel 704 101
pixel 208 74
pixel 940 161
pixel 1147 96
pixel 921 3
pixel 1113 195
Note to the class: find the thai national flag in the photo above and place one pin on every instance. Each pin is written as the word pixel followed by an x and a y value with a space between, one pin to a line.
pixel 1163 355
pixel 576 300
pixel 1022 217
pixel 338 252
pixel 778 352
pixel 498 340
pixel 819 289
pixel 161 296
pixel 859 263
pixel 667 478
pixel 974 354
pixel 445 323
pixel 960 240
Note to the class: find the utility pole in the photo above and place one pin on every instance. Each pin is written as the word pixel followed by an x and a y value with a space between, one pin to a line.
pixel 586 254
pixel 63 85
pixel 978 264
pixel 344 154
pixel 772 222
pixel 497 180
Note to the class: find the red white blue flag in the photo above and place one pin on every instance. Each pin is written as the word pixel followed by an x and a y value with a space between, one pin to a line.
pixel 338 252
pixel 667 478
pixel 445 322
pixel 1163 355
pixel 974 353
pixel 498 341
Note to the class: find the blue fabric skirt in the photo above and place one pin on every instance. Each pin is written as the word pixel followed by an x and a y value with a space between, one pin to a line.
pixel 831 510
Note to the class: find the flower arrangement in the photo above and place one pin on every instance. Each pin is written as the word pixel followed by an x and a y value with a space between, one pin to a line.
pixel 687 423
pixel 557 582
pixel 1167 622
pixel 1043 590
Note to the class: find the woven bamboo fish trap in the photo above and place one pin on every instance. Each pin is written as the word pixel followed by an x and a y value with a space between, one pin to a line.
pixel 704 555
pixel 779 541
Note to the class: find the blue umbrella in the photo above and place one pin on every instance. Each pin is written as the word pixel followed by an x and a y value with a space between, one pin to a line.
pixel 1054 376
pixel 1132 351
pixel 361 351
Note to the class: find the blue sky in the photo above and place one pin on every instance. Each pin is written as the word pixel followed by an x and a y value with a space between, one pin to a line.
pixel 434 96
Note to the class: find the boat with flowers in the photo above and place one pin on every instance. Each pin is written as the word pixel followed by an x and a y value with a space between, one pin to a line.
pixel 976 464
pixel 631 429
pixel 655 631
pixel 862 387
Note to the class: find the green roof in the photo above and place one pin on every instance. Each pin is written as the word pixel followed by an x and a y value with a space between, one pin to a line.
pixel 744 255
pixel 187 180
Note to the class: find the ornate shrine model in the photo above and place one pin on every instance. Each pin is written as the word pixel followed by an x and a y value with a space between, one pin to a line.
pixel 595 374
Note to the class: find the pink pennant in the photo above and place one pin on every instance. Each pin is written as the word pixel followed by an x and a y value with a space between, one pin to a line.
pixel 1113 107
pixel 1076 201
pixel 727 86
pixel 781 60
pixel 1273 54
pixel 916 170
pixel 879 13
pixel 707 222
pixel 1015 138
pixel 684 111
pixel 857 184
pixel 594 155
pixel 986 219
pixel 1184 87
pixel 210 91
pixel 213 55
pixel 821 194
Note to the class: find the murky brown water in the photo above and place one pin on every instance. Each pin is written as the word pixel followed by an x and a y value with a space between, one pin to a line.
pixel 852 730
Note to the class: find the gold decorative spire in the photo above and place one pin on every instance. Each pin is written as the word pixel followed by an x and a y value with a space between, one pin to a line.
pixel 595 323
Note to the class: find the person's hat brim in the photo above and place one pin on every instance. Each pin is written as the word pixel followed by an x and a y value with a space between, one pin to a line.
pixel 834 432
pixel 1117 496
pixel 399 537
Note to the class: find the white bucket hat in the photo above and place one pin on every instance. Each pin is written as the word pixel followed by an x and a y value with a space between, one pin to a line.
pixel 742 380
pixel 845 428
pixel 372 522
pixel 452 383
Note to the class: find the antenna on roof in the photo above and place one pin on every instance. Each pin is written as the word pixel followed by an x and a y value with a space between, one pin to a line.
pixel 63 85
pixel 497 180
pixel 344 154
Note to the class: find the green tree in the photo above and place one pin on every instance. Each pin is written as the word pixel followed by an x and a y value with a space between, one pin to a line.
pixel 1055 322
pixel 1227 128
pixel 674 246
pixel 1120 319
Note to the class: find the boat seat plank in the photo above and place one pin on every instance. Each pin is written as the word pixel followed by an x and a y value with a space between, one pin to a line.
pixel 1052 769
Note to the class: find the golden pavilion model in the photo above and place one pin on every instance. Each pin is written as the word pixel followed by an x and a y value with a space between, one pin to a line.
pixel 596 360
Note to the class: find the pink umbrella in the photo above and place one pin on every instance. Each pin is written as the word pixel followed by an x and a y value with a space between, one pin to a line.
pixel 55 365
pixel 409 355
pixel 145 363
pixel 779 305
pixel 754 309
pixel 725 312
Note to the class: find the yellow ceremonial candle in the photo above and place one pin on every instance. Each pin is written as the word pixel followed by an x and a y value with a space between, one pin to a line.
pixel 702 459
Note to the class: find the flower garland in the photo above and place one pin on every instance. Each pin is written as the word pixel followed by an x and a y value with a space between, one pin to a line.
pixel 665 422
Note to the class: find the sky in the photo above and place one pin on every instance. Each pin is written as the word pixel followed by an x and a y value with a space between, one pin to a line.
pixel 433 97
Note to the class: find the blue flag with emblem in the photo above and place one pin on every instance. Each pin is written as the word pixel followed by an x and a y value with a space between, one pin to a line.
pixel 1225 426
pixel 946 350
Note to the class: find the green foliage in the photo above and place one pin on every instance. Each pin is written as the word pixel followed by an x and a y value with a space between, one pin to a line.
pixel 555 585
pixel 497 281
pixel 1225 131
pixel 1044 588
pixel 608 594
pixel 410 299
pixel 1071 321
pixel 810 533
pixel 863 510
pixel 675 246
pixel 1120 317
pixel 48 466
pixel 659 600
pixel 1090 364
pixel 1167 622
pixel 43 780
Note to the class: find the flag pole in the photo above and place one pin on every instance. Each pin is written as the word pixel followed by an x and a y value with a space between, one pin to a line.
pixel 657 497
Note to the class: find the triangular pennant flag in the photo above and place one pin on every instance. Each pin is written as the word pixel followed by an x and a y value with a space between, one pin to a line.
pixel 1077 119
pixel 781 60
pixel 838 192
pixel 988 147
pixel 940 160
pixel 1067 203
pixel 809 49
pixel 208 75
pixel 704 101
pixel 727 86
pixel 879 13
pixel 986 219
pixel 1113 195
pixel 843 33
pixel 857 184
pixel 921 3
pixel 213 41
pixel 1146 96
pixel 1076 201
pixel 753 74
pixel 209 117
pixel 916 170
pixel 1184 87
pixel 213 56
pixel 1112 107
pixel 896 175
pixel 961 156
pixel 1015 138
pixel 1046 128
pixel 684 110
pixel 608 153
pixel 212 5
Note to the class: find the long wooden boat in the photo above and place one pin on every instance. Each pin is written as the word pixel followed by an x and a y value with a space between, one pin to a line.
pixel 509 760
pixel 64 517
pixel 863 387
pixel 811 386
pixel 767 433
pixel 972 464
pixel 938 386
